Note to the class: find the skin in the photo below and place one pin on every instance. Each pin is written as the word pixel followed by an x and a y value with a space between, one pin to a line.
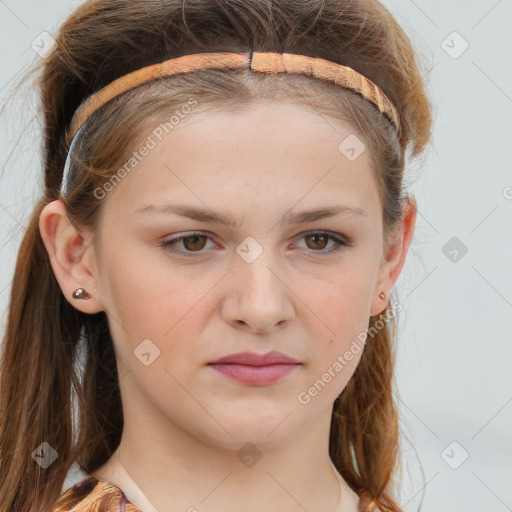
pixel 184 422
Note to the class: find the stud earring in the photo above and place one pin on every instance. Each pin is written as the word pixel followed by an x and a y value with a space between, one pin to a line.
pixel 80 293
pixel 382 295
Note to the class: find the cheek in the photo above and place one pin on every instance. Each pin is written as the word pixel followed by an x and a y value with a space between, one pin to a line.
pixel 151 301
pixel 341 304
pixel 342 313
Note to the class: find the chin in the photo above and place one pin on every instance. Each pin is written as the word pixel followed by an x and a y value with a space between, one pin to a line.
pixel 264 430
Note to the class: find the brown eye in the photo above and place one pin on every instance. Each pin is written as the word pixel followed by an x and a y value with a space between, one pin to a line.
pixel 195 242
pixel 317 243
pixel 319 240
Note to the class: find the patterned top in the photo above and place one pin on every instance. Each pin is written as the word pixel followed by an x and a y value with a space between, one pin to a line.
pixel 93 495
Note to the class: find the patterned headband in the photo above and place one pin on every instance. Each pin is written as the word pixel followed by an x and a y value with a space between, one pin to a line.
pixel 263 62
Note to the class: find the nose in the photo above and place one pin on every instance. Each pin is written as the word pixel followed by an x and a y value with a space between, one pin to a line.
pixel 259 296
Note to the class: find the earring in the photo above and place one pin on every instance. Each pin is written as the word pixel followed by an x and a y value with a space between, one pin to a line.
pixel 382 295
pixel 80 293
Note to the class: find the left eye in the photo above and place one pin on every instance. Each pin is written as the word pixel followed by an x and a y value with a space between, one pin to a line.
pixel 194 243
pixel 321 238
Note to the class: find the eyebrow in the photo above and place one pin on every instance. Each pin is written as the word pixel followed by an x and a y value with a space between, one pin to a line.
pixel 210 216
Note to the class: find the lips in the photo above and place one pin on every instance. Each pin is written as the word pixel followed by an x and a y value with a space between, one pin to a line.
pixel 255 369
pixel 254 359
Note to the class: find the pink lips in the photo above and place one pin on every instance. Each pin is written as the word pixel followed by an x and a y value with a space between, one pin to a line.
pixel 255 369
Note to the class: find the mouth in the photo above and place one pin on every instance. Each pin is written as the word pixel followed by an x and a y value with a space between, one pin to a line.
pixel 255 375
pixel 255 359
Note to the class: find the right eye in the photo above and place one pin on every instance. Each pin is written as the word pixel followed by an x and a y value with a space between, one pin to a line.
pixel 193 243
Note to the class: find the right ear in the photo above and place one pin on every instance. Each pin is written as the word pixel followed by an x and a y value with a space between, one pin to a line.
pixel 71 255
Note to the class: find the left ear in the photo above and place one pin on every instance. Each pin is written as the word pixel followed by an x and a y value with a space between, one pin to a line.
pixel 394 257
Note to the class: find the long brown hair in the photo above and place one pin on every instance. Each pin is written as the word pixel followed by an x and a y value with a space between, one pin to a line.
pixel 52 353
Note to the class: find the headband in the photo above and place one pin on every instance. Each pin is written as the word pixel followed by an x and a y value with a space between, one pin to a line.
pixel 262 62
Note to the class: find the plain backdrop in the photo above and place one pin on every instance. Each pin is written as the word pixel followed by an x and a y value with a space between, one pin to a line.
pixel 455 347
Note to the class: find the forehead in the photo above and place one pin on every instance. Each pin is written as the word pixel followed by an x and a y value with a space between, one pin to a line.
pixel 263 152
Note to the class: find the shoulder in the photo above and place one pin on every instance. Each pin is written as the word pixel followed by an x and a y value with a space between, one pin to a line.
pixel 93 495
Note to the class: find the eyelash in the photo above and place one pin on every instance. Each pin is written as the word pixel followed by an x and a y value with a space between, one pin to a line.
pixel 340 244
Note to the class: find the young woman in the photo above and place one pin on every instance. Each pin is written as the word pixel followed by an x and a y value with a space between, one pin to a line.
pixel 201 313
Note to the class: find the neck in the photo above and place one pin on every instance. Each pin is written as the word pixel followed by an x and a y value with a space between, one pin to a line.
pixel 284 478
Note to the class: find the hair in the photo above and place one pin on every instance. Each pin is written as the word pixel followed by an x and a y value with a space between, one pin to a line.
pixel 53 353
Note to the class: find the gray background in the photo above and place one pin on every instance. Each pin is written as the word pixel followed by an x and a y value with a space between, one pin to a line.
pixel 455 350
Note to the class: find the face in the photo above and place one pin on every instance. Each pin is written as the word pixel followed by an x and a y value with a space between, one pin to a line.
pixel 182 288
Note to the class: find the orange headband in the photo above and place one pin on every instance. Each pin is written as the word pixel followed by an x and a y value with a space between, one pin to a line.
pixel 263 62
